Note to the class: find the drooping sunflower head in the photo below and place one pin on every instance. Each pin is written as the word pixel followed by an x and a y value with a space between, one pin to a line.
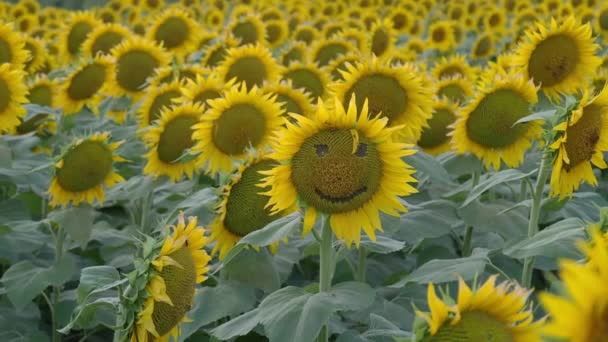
pixel 559 58
pixel 103 38
pixel 324 51
pixel 293 100
pixel 157 99
pixel 486 125
pixel 581 142
pixel 13 93
pixel 174 268
pixel 435 138
pixel 248 30
pixel 307 76
pixel 169 140
pixel 242 209
pixel 83 169
pixel 342 163
pixel 250 64
pixel 135 60
pixel 86 85
pixel 12 46
pixel 175 30
pixel 238 121
pixel 398 93
pixel 75 32
pixel 478 317
pixel 456 89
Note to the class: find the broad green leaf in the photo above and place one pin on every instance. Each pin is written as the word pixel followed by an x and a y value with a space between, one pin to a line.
pixel 274 231
pixel 100 311
pixel 24 281
pixel 77 222
pixel 556 241
pixel 382 245
pixel 493 217
pixel 352 295
pixel 584 205
pixel 62 270
pixel 253 268
pixel 543 116
pixel 428 166
pixel 493 180
pixel 95 278
pixel 432 219
pixel 6 157
pixel 238 326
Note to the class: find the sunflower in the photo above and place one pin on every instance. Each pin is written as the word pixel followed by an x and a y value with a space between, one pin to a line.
pixel 496 21
pixel 382 38
pixel 248 30
pixel 13 93
pixel 337 66
pixel 356 37
pixel 324 51
pixel 202 89
pixel 35 48
pixel 238 121
pixel 455 89
pixel 157 99
pixel 396 93
pixel 293 100
pixel 497 312
pixel 135 61
pixel 306 34
pixel 602 21
pixel 103 38
pixel 217 52
pixel 401 19
pixel 169 139
pixel 342 163
pixel 152 5
pixel 435 138
pixel 43 92
pixel 214 18
pixel 309 77
pixel 483 47
pixel 182 73
pixel 441 36
pixel 297 52
pixel 485 126
pixel 83 169
pixel 75 32
pixel 12 46
pixel 558 58
pixel 171 272
pixel 251 64
pixel 86 85
pixel 582 141
pixel 276 33
pixel 175 30
pixel 415 45
pixel 242 209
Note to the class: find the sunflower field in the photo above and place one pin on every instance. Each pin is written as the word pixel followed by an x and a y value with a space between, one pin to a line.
pixel 304 170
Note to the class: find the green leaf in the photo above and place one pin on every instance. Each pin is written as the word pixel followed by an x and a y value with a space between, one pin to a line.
pixel 441 271
pixel 96 278
pixel 430 220
pixel 555 241
pixel 254 268
pixel 382 245
pixel 100 311
pixel 352 295
pixel 274 231
pixel 24 281
pixel 430 167
pixel 6 157
pixel 238 326
pixel 493 180
pixel 544 116
pixel 494 217
pixel 62 270
pixel 77 222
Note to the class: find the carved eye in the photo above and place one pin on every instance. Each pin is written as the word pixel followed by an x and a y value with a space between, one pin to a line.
pixel 322 150
pixel 361 150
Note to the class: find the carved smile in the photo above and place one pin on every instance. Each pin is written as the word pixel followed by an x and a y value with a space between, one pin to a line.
pixel 342 199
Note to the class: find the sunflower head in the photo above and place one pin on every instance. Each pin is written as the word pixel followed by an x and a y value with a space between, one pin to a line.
pixel 248 30
pixel 250 64
pixel 167 277
pixel 324 51
pixel 293 100
pixel 156 100
pixel 12 46
pixel 13 93
pixel 309 77
pixel 456 89
pixel 76 31
pixel 175 30
pixel 103 38
pixel 435 138
pixel 86 85
pixel 339 162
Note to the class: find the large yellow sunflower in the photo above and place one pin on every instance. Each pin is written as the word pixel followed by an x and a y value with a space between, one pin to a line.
pixel 242 209
pixel 103 38
pixel 238 121
pixel 86 85
pixel 83 169
pixel 398 93
pixel 485 126
pixel 12 46
pixel 135 61
pixel 581 143
pixel 13 93
pixel 342 163
pixel 157 99
pixel 493 312
pixel 75 32
pixel 176 31
pixel 173 271
pixel 435 138
pixel 251 64
pixel 559 58
pixel 169 140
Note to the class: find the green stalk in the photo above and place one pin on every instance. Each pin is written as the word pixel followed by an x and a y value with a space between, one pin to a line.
pixel 362 266
pixel 60 238
pixel 145 211
pixel 468 231
pixel 537 197
pixel 325 268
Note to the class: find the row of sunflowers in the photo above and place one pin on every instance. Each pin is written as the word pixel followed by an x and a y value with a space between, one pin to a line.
pixel 268 170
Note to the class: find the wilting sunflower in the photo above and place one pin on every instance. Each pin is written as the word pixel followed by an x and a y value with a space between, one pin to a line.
pixel 435 138
pixel 171 272
pixel 341 163
pixel 157 99
pixel 75 32
pixel 13 93
pixel 103 38
pixel 242 209
pixel 238 121
pixel 396 93
pixel 251 64
pixel 559 58
pixel 248 30
pixel 456 89
pixel 485 126
pixel 309 77
pixel 324 51
pixel 12 46
pixel 293 100
pixel 169 140
pixel 493 312
pixel 135 61
pixel 441 36
pixel 86 85
pixel 582 141
pixel 35 48
pixel 175 31
pixel 83 169
pixel 297 52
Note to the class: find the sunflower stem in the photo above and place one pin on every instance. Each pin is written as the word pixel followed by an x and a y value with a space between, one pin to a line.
pixel 537 197
pixel 362 266
pixel 145 211
pixel 326 252
pixel 523 190
pixel 59 240
pixel 468 231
